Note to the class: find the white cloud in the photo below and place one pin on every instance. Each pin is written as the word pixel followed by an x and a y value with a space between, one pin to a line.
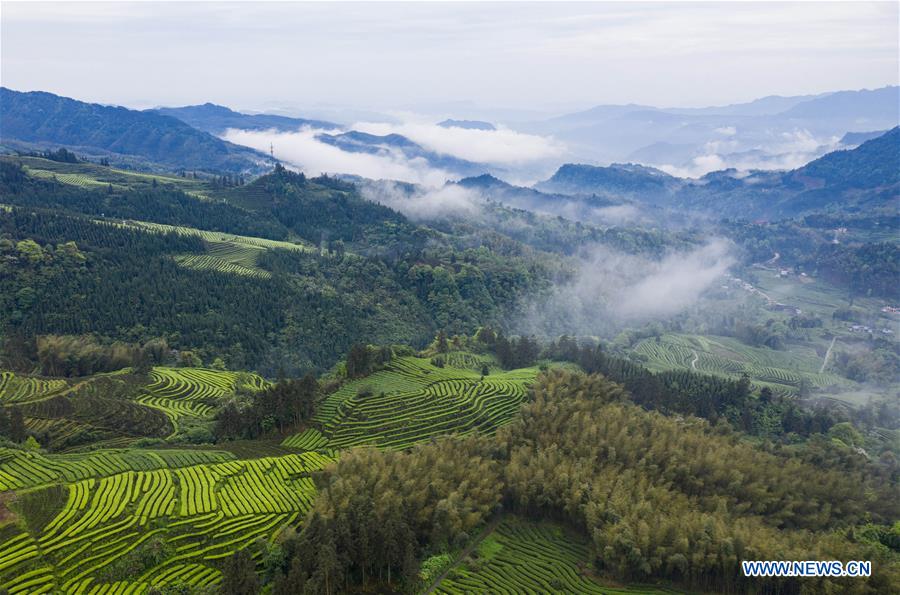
pixel 784 151
pixel 612 289
pixel 496 147
pixel 302 150
pixel 425 203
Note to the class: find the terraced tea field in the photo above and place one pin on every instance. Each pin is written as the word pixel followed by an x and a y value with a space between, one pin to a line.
pixel 91 175
pixel 118 408
pixel 21 469
pixel 199 513
pixel 221 237
pixel 194 392
pixel 226 253
pixel 526 557
pixel 411 401
pixel 20 389
pixel 72 179
pixel 783 371
pixel 206 262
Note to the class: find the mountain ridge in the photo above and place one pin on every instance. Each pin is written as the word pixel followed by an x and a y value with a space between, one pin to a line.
pixel 41 117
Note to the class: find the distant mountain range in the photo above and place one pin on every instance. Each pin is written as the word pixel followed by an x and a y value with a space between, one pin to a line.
pixel 216 119
pixel 467 124
pixel 867 177
pixel 44 120
pixel 772 132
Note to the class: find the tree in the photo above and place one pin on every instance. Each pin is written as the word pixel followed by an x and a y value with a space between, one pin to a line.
pixel 16 425
pixel 440 342
pixel 357 361
pixel 239 575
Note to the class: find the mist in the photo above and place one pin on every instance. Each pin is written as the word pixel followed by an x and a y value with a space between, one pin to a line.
pixel 302 150
pixel 785 151
pixel 611 289
pixel 499 147
pixel 422 203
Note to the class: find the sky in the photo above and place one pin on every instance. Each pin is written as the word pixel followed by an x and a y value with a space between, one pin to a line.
pixel 433 57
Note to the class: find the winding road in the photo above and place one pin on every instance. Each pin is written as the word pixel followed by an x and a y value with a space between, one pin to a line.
pixel 827 355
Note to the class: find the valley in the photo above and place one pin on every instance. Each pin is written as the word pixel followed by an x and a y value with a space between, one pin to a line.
pixel 449 298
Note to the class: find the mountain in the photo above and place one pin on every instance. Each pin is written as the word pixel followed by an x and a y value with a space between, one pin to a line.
pixel 216 119
pixel 598 210
pixel 770 105
pixel 874 164
pixel 622 180
pixel 782 130
pixel 467 124
pixel 875 105
pixel 853 139
pixel 843 181
pixel 44 119
pixel 864 181
pixel 389 144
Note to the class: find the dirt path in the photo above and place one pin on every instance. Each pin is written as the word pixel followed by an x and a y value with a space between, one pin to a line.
pixel 466 551
pixel 694 361
pixel 827 355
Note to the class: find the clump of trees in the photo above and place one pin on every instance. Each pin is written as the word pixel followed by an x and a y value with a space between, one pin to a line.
pixel 61 154
pixel 362 360
pixel 84 355
pixel 12 424
pixel 376 511
pixel 279 407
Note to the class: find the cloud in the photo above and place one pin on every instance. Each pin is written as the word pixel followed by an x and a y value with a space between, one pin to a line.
pixel 495 147
pixel 302 150
pixel 674 283
pixel 727 130
pixel 612 289
pixel 785 151
pixel 424 204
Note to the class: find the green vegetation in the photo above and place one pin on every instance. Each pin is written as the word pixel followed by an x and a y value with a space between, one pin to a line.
pixel 785 372
pixel 523 557
pixel 404 438
pixel 410 401
pixel 377 279
pixel 196 514
pixel 16 388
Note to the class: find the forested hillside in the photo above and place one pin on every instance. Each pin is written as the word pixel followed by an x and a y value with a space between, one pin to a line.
pixel 362 273
pixel 44 119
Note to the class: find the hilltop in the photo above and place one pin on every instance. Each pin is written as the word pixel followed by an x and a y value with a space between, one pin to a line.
pixel 44 120
pixel 216 119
